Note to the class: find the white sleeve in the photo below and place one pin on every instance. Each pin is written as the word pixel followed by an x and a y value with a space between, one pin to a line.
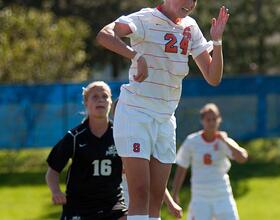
pixel 199 43
pixel 226 148
pixel 183 157
pixel 135 23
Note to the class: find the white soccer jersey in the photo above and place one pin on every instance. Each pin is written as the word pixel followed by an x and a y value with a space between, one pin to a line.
pixel 165 46
pixel 210 164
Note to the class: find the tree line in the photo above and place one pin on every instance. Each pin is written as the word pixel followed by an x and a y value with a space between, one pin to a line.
pixel 53 40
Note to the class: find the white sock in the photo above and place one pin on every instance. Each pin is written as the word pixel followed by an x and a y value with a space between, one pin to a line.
pixel 154 218
pixel 137 217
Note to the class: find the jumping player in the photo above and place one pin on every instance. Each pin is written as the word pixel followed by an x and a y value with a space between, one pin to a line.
pixel 173 208
pixel 93 189
pixel 144 126
pixel 207 152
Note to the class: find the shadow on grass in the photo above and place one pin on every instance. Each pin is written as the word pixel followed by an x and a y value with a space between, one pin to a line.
pixel 50 216
pixel 237 173
pixel 249 170
pixel 50 213
pixel 24 178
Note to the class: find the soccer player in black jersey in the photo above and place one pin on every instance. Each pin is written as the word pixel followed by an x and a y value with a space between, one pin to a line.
pixel 93 190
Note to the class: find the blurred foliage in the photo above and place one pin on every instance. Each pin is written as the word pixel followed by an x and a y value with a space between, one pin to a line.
pixel 252 38
pixel 263 150
pixel 36 47
pixel 251 41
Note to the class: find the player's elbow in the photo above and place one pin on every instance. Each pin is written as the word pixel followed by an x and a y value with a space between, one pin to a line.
pixel 104 35
pixel 242 158
pixel 214 82
pixel 100 37
pixel 213 78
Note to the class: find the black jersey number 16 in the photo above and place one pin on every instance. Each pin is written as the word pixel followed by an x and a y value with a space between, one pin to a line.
pixel 102 167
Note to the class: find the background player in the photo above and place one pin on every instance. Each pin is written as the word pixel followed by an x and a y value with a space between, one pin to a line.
pixel 144 124
pixel 207 152
pixel 93 188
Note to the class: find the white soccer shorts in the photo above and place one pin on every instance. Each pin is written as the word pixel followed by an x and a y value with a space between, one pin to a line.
pixel 137 134
pixel 216 209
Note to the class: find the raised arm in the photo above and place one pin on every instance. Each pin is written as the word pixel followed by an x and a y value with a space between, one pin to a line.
pixel 212 67
pixel 239 154
pixel 110 38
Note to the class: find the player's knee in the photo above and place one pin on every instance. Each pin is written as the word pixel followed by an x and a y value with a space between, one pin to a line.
pixel 156 198
pixel 139 192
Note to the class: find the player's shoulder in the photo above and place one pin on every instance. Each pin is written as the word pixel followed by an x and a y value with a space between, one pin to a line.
pixel 143 13
pixel 194 136
pixel 146 11
pixel 190 139
pixel 79 129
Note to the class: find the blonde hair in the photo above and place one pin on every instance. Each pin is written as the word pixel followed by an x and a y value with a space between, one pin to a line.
pixel 89 87
pixel 209 107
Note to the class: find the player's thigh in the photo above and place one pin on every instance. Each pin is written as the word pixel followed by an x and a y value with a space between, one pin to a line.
pixel 200 210
pixel 226 209
pixel 138 176
pixel 165 146
pixel 132 132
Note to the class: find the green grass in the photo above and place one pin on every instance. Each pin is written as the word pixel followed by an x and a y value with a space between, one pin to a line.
pixel 25 196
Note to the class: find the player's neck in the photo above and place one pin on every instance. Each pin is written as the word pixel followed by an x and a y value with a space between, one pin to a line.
pixel 98 126
pixel 164 10
pixel 208 136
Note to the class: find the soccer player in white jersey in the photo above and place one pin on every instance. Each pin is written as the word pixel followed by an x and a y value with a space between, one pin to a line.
pixel 207 152
pixel 144 130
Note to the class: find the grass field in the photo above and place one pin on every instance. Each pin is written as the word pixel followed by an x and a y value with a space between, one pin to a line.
pixel 25 196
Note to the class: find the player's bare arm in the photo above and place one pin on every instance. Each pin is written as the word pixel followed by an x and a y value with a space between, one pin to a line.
pixel 110 38
pixel 239 154
pixel 179 178
pixel 172 206
pixel 212 67
pixel 52 179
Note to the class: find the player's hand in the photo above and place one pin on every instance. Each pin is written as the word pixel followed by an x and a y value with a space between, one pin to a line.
pixel 175 210
pixel 142 70
pixel 59 198
pixel 218 24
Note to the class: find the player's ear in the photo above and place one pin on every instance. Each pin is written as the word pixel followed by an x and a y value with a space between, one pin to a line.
pixel 220 120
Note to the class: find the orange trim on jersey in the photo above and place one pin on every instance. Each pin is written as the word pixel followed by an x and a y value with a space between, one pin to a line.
pixel 173 61
pixel 150 97
pixel 162 44
pixel 160 69
pixel 136 106
pixel 166 31
pixel 207 141
pixel 161 84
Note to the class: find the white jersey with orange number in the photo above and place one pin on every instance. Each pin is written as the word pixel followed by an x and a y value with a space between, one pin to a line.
pixel 166 47
pixel 209 163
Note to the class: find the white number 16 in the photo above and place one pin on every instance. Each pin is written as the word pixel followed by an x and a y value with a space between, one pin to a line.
pixel 102 167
